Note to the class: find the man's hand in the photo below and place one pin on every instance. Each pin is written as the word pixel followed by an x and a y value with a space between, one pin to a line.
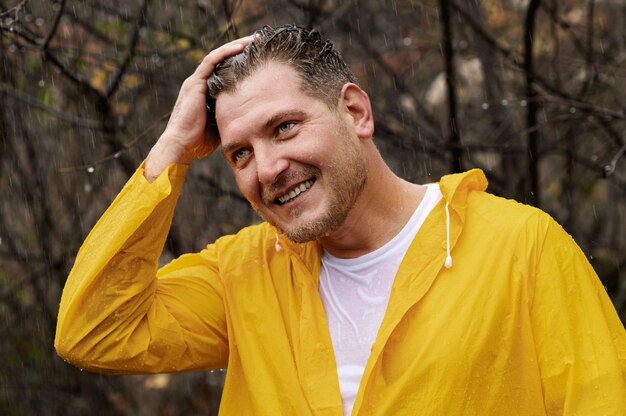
pixel 186 136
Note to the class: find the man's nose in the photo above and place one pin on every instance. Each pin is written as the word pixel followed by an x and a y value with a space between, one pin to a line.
pixel 269 165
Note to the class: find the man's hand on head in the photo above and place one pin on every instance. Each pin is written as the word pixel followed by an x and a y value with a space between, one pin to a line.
pixel 186 136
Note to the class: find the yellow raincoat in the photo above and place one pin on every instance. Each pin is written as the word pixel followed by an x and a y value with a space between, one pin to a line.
pixel 519 325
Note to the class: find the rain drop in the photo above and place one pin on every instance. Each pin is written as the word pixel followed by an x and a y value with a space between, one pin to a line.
pixel 523 103
pixel 485 106
pixel 572 110
pixel 91 169
pixel 504 102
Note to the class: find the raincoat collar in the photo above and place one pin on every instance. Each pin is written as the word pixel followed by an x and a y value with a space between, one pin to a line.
pixel 455 189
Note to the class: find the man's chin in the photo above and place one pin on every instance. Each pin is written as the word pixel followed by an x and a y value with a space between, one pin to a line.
pixel 312 230
pixel 304 228
pixel 302 233
pixel 299 237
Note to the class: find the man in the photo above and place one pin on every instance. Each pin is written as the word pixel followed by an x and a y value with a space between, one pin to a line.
pixel 361 293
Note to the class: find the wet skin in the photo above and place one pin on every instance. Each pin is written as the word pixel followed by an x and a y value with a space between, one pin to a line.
pixel 298 162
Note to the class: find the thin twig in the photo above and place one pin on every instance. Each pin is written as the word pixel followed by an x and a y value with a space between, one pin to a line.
pixel 609 169
pixel 533 107
pixel 55 25
pixel 117 154
pixel 130 52
pixel 33 102
pixel 15 8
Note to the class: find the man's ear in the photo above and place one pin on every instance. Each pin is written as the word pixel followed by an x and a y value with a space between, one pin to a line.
pixel 356 104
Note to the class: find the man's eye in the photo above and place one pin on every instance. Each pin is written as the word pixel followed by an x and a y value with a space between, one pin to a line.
pixel 240 154
pixel 285 127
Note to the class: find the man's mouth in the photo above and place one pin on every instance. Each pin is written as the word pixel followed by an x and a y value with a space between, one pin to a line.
pixel 295 192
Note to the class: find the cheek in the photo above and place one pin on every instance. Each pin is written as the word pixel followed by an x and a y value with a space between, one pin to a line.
pixel 247 183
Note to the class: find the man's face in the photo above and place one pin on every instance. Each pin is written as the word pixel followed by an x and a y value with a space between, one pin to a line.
pixel 299 163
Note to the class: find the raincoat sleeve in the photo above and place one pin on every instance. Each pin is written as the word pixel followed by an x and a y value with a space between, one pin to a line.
pixel 121 315
pixel 580 341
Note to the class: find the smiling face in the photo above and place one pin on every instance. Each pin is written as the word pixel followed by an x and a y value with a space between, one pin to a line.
pixel 298 162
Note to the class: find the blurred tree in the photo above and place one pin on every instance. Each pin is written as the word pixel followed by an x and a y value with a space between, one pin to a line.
pixel 531 91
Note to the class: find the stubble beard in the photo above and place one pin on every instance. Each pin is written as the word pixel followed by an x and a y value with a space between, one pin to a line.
pixel 345 180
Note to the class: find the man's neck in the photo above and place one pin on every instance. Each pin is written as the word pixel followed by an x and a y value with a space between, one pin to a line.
pixel 383 208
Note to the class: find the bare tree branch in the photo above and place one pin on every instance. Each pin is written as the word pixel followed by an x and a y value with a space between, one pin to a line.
pixel 55 25
pixel 114 81
pixel 531 120
pixel 33 102
pixel 15 9
pixel 144 134
pixel 448 56
pixel 610 168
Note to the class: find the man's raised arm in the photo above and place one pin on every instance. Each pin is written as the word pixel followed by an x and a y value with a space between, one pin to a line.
pixel 118 313
pixel 186 136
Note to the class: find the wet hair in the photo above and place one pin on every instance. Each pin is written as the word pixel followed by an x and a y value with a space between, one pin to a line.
pixel 319 66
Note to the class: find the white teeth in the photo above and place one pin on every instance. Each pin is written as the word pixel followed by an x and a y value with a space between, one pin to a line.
pixel 295 191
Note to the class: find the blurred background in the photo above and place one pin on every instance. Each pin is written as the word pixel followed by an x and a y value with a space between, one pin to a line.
pixel 533 92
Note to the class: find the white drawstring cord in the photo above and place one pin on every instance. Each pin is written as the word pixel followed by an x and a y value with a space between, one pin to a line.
pixel 448 262
pixel 277 244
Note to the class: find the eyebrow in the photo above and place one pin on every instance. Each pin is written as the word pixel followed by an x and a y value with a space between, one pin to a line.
pixel 267 125
pixel 280 116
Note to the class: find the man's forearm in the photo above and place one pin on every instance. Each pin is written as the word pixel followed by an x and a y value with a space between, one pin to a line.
pixel 164 153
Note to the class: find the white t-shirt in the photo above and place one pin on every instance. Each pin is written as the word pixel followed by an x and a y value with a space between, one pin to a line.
pixel 355 293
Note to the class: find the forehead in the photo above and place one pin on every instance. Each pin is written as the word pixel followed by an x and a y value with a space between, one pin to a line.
pixel 272 89
pixel 268 80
